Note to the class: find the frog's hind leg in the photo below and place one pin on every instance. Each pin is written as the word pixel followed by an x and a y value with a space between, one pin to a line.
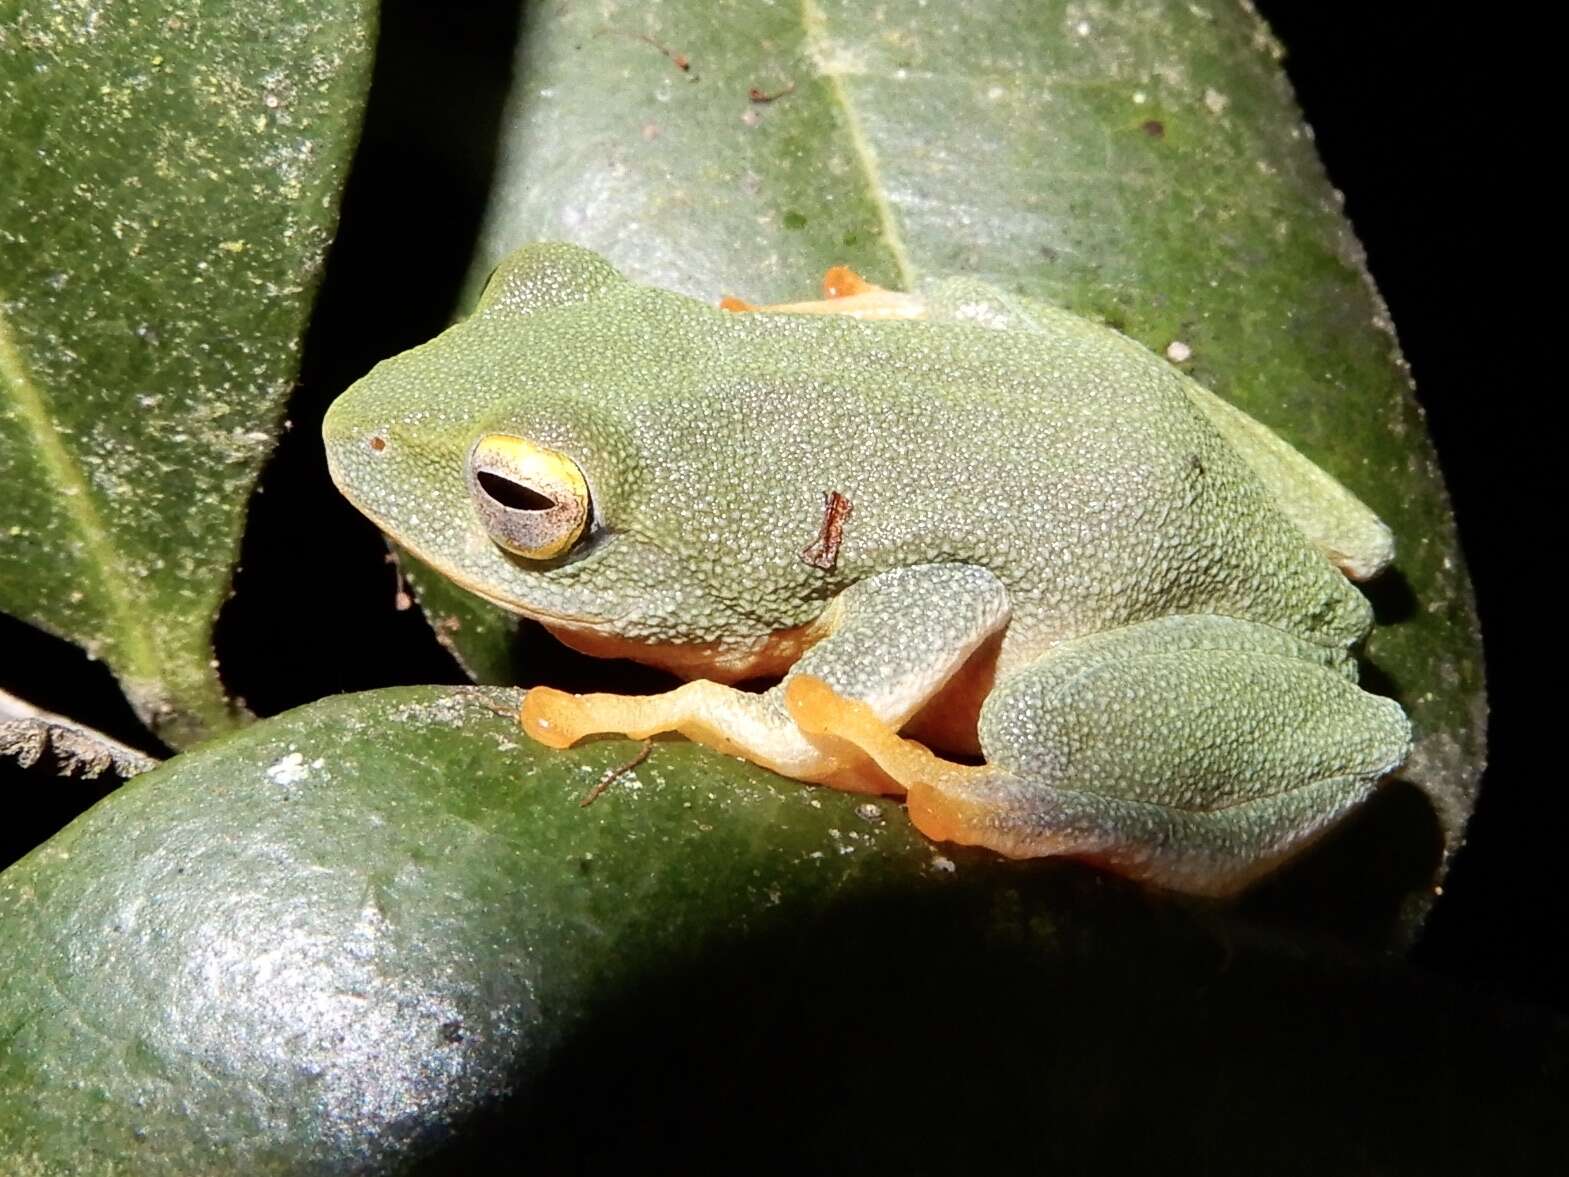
pixel 1195 753
pixel 738 723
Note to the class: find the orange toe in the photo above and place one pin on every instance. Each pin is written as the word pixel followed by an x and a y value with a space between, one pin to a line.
pixel 936 816
pixel 553 717
pixel 842 281
pixel 815 706
pixel 818 710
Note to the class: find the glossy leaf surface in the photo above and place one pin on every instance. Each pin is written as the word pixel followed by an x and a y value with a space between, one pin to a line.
pixel 170 176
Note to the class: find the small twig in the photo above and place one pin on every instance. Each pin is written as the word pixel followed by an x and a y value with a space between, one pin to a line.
pixel 759 95
pixel 505 712
pixel 611 774
pixel 679 60
pixel 823 552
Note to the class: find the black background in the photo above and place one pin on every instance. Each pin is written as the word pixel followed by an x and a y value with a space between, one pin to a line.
pixel 1411 116
pixel 1414 124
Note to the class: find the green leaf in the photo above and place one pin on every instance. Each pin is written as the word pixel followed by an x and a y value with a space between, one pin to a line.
pixel 171 182
pixel 1143 164
pixel 382 928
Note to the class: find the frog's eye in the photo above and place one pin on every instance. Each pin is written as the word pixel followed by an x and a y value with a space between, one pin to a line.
pixel 533 501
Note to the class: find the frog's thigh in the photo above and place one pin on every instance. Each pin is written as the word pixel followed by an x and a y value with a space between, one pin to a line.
pixel 899 637
pixel 1195 753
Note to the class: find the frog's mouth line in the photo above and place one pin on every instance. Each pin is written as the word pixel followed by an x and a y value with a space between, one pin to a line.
pixel 577 620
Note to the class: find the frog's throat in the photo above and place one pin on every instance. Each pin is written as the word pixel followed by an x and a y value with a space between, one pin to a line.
pixel 768 656
pixel 547 617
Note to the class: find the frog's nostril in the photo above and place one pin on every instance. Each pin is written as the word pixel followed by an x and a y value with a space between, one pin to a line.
pixel 512 494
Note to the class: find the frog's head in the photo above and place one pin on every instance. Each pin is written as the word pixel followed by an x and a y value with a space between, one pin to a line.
pixel 541 454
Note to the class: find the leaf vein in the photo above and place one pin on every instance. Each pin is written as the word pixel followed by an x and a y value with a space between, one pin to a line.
pixel 134 644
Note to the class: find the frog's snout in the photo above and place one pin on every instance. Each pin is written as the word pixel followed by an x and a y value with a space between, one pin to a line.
pixel 338 427
pixel 350 441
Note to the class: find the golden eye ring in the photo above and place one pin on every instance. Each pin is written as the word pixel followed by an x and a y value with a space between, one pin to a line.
pixel 532 500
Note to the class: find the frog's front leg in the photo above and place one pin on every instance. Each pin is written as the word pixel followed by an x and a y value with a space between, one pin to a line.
pixel 1192 752
pixel 898 638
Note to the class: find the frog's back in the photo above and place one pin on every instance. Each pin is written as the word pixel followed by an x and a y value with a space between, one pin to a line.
pixel 1069 460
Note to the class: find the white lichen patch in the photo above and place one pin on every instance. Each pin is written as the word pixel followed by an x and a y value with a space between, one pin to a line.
pixel 292 769
pixel 1215 101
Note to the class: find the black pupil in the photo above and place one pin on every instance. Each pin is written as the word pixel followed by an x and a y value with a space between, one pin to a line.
pixel 513 494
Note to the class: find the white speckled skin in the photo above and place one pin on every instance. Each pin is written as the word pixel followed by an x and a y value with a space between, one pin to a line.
pixel 1091 490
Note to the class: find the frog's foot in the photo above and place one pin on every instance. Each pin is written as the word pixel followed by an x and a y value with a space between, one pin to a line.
pixel 737 723
pixel 987 806
pixel 932 785
pixel 844 293
pixel 942 796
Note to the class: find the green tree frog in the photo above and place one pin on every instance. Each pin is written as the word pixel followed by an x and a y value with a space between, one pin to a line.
pixel 954 521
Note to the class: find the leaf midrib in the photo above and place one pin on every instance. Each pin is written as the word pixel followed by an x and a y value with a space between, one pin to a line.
pixel 137 654
pixel 814 30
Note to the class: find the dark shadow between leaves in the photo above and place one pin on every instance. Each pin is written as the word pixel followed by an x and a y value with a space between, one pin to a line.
pixel 39 802
pixel 315 608
pixel 55 675
pixel 964 1031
